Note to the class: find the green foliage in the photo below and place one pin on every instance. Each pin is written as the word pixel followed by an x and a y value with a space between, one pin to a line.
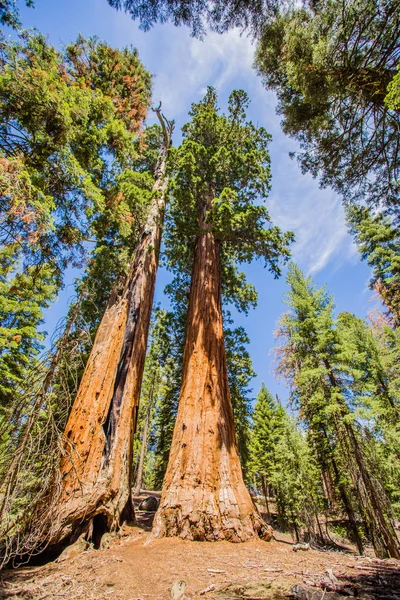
pixel 23 296
pixel 378 241
pixel 332 370
pixel 369 389
pixel 280 460
pixel 217 15
pixel 330 64
pixel 9 14
pixel 68 144
pixel 56 128
pixel 221 170
pixel 392 99
pixel 167 349
pixel 296 480
pixel 267 425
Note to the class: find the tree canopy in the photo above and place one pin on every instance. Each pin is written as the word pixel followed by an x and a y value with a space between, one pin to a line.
pixel 224 158
pixel 333 66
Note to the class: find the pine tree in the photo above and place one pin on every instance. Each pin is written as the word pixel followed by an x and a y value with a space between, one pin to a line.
pixel 330 64
pixel 309 361
pixel 295 478
pixel 221 168
pixel 370 391
pixel 264 436
pixel 378 241
pixel 281 460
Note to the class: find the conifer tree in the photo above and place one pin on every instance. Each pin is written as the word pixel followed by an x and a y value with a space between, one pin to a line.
pixel 378 241
pixel 309 361
pixel 370 391
pixel 331 65
pixel 295 478
pixel 264 436
pixel 281 460
pixel 221 169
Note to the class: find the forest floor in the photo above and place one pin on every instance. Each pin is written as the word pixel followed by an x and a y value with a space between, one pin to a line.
pixel 134 566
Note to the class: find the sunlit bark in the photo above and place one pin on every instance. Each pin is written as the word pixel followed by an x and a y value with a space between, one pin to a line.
pixel 96 467
pixel 204 496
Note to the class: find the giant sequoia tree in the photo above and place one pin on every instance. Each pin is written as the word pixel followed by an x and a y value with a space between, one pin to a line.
pixel 97 464
pixel 221 171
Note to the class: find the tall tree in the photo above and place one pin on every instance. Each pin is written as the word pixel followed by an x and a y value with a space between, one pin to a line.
pixel 378 241
pixel 310 362
pixel 295 479
pixel 221 169
pixel 97 463
pixel 65 137
pixel 330 64
pixel 370 387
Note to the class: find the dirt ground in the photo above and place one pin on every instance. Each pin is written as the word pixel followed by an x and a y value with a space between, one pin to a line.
pixel 134 566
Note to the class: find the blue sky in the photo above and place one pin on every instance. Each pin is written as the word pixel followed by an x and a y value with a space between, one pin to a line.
pixel 182 69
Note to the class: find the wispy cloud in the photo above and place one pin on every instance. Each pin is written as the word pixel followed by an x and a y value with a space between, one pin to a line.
pixel 316 216
pixel 183 67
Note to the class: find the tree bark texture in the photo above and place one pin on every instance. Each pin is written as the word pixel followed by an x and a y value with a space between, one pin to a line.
pixel 204 496
pixel 96 467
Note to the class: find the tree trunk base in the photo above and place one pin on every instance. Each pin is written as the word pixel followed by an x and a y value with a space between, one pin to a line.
pixel 202 525
pixel 94 519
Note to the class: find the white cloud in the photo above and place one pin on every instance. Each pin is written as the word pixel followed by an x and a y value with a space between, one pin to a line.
pixel 316 216
pixel 183 67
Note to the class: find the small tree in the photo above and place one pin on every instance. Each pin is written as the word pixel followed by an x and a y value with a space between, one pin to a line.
pixel 264 436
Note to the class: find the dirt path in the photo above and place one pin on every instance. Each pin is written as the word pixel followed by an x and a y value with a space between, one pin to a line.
pixel 135 566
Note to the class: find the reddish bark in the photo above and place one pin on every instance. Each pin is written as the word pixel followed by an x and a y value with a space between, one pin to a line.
pixel 97 462
pixel 204 496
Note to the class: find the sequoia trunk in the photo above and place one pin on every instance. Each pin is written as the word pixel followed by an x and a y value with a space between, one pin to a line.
pixel 96 468
pixel 204 496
